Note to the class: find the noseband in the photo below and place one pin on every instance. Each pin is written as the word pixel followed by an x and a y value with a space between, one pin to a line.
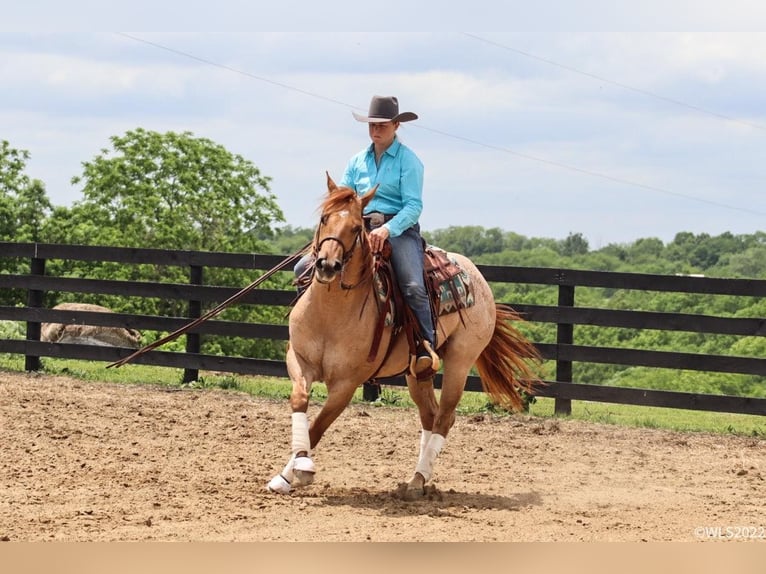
pixel 347 254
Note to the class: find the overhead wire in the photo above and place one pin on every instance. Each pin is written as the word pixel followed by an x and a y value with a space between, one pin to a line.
pixel 441 132
pixel 615 83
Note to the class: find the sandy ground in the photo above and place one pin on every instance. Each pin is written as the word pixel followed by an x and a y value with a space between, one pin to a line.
pixel 101 462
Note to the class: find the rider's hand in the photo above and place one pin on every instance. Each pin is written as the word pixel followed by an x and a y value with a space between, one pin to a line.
pixel 378 238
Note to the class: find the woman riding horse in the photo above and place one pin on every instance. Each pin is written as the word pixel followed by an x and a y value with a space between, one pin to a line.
pixel 394 212
pixel 332 337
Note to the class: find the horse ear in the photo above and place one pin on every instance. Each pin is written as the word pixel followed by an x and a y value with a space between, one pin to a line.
pixel 367 197
pixel 331 187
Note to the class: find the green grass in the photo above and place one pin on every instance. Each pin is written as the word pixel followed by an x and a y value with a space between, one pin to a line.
pixel 396 397
pixel 658 417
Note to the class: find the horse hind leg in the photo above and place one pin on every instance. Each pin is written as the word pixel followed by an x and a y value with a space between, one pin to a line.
pixel 433 439
pixel 422 394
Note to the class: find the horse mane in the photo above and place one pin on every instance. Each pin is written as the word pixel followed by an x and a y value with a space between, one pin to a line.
pixel 338 199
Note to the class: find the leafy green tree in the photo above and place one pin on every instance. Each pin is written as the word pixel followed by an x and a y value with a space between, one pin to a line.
pixel 33 209
pixel 750 263
pixel 172 191
pixel 574 244
pixel 471 241
pixel 288 239
pixel 646 249
pixel 24 205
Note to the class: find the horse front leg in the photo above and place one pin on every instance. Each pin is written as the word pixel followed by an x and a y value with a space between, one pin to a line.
pixel 306 437
pixel 299 470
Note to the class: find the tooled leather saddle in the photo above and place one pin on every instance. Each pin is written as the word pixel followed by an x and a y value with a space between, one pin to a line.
pixel 448 288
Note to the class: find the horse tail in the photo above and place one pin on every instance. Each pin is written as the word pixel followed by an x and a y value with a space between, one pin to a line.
pixel 504 365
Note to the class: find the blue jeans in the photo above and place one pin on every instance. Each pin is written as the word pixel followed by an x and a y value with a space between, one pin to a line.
pixel 407 261
pixel 303 264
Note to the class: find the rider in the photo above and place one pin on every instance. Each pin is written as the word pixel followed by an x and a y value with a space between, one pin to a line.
pixel 399 198
pixel 394 211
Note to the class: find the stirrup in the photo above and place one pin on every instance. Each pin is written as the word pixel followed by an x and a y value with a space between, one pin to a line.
pixel 420 364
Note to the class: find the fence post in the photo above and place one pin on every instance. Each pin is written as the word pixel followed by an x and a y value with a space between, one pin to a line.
pixel 371 391
pixel 193 344
pixel 564 336
pixel 34 299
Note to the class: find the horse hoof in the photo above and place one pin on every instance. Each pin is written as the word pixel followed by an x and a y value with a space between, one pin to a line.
pixel 413 494
pixel 409 492
pixel 279 485
pixel 302 477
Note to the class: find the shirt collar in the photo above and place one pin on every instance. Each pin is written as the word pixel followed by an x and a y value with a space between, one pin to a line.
pixel 392 150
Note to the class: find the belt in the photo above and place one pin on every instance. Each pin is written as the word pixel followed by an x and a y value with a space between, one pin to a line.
pixel 376 219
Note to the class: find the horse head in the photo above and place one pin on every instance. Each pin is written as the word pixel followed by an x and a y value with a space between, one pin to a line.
pixel 340 231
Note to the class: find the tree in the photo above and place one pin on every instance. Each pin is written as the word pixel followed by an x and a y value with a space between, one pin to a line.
pixel 171 191
pixel 23 203
pixel 750 263
pixel 289 239
pixel 33 209
pixel 12 165
pixel 470 241
pixel 12 179
pixel 574 244
pixel 23 209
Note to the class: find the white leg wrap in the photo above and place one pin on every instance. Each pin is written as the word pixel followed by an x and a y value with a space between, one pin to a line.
pixel 301 439
pixel 279 485
pixel 281 482
pixel 425 436
pixel 287 471
pixel 425 464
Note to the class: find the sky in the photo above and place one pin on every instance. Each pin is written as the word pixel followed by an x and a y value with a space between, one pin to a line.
pixel 615 135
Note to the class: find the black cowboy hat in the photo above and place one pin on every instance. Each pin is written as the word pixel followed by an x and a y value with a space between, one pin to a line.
pixel 385 109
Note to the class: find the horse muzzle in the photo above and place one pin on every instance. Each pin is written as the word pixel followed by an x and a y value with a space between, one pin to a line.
pixel 327 269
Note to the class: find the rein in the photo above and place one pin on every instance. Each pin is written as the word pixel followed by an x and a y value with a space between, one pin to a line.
pixel 215 311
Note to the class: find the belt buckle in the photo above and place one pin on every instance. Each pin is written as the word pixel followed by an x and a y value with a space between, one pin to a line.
pixel 376 219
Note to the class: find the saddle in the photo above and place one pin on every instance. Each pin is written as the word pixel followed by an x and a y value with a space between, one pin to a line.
pixel 448 288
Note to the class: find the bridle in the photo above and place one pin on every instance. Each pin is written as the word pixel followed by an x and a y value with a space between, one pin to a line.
pixel 346 257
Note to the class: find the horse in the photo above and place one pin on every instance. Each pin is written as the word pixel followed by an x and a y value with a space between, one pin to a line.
pixel 331 330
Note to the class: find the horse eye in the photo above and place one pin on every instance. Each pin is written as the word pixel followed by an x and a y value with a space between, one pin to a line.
pixel 323 220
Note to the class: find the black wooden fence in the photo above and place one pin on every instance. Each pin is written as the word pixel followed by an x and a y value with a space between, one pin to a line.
pixel 565 315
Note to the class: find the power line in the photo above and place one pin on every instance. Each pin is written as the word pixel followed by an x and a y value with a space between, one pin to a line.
pixel 593 173
pixel 235 70
pixel 618 84
pixel 440 132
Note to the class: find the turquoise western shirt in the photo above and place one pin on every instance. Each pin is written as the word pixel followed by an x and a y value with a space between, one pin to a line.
pixel 400 179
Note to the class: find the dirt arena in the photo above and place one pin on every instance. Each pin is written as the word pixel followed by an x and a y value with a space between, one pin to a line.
pixel 101 462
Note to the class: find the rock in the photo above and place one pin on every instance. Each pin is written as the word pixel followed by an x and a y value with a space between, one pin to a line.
pixel 89 334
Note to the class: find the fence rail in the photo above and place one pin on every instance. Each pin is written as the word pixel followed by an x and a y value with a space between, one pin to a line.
pixel 565 314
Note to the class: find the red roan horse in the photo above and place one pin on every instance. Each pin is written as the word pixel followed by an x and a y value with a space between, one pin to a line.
pixel 331 332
